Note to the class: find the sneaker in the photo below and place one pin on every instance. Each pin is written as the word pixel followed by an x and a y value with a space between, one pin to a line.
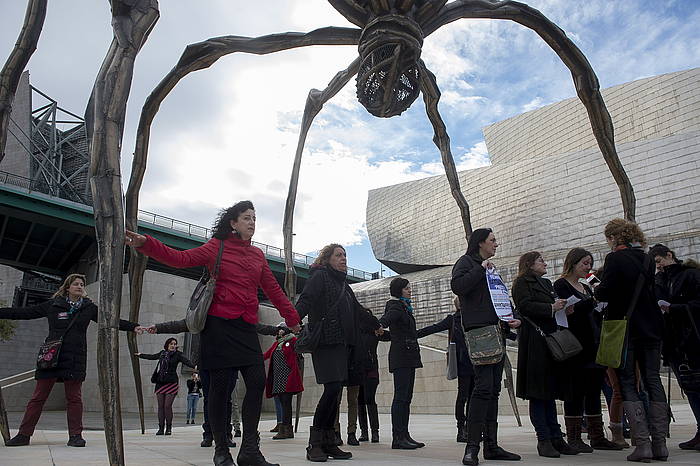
pixel 76 441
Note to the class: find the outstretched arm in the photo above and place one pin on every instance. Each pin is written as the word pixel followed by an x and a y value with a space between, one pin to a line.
pixel 585 79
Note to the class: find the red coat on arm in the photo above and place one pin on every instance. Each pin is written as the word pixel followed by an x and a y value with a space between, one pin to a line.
pixel 243 269
pixel 294 382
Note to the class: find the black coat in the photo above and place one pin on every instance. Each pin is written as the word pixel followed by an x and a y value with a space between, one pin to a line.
pixel 404 351
pixel 453 323
pixel 620 273
pixel 539 375
pixel 584 323
pixel 171 372
pixel 469 283
pixel 72 360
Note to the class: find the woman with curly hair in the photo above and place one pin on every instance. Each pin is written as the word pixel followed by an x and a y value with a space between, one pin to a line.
pixel 229 342
pixel 622 269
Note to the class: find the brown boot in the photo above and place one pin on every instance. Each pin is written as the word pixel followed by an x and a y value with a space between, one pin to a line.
pixel 640 431
pixel 285 431
pixel 659 419
pixel 597 434
pixel 618 437
pixel 573 434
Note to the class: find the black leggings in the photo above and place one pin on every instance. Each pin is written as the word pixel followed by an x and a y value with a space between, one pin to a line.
pixel 254 379
pixel 165 408
pixel 368 391
pixel 587 384
pixel 324 417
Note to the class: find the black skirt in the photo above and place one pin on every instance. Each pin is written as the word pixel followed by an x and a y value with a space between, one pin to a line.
pixel 228 343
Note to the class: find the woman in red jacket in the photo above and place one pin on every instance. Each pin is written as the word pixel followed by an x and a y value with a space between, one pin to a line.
pixel 229 341
pixel 284 378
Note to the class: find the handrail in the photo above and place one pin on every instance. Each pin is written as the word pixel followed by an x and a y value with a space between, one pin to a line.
pixel 17 379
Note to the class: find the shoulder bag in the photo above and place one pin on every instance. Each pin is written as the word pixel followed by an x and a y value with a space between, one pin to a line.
pixel 452 369
pixel 485 345
pixel 310 336
pixel 562 344
pixel 49 351
pixel 196 316
pixel 613 333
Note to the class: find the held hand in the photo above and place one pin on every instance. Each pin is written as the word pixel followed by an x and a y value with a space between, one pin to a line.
pixel 515 323
pixel 569 310
pixel 137 354
pixel 379 332
pixel 134 239
pixel 558 305
pixel 151 329
pixel 487 264
pixel 296 328
pixel 139 330
pixel 664 308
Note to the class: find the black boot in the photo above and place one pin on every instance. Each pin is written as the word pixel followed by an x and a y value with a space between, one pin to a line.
pixel 410 439
pixel 352 439
pixel 471 450
pixel 373 415
pixel 596 432
pixel 207 440
pixel 314 452
pixel 222 457
pixel 491 449
pixel 462 431
pixel 573 434
pixel 76 441
pixel 563 447
pixel 692 444
pixel 546 449
pixel 400 442
pixel 18 440
pixel 362 420
pixel 168 429
pixel 250 454
pixel 285 431
pixel 331 449
pixel 161 430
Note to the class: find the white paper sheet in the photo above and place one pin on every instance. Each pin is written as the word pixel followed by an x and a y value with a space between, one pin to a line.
pixel 601 305
pixel 499 295
pixel 561 319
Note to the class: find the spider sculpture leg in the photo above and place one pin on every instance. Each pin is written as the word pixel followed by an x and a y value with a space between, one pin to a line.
pixel 314 104
pixel 431 97
pixel 585 80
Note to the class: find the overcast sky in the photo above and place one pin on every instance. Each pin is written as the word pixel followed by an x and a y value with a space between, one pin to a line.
pixel 229 132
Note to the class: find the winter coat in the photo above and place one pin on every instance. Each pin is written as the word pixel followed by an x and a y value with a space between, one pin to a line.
pixel 539 375
pixel 294 382
pixel 194 387
pixel 72 360
pixel 453 323
pixel 469 283
pixel 243 270
pixel 404 350
pixel 584 323
pixel 170 375
pixel 679 284
pixel 617 283
pixel 368 344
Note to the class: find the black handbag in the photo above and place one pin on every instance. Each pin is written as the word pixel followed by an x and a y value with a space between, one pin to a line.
pixel 310 336
pixel 562 344
pixel 197 310
pixel 50 350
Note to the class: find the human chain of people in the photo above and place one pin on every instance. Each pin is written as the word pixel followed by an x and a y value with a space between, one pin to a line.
pixel 593 331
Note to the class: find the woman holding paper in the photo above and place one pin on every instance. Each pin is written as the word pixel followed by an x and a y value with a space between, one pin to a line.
pixel 586 376
pixel 470 284
pixel 539 377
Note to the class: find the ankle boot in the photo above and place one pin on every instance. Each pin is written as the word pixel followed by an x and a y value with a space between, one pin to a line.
pixel 362 420
pixel 410 439
pixel 314 452
pixel 222 457
pixel 352 439
pixel 331 449
pixel 563 447
pixel 400 442
pixel 285 431
pixel 546 449
pixel 250 454
pixel 639 431
pixel 18 440
pixel 168 429
pixel 597 434
pixel 491 449
pixel 471 450
pixel 76 441
pixel 276 428
pixel 161 430
pixel 618 437
pixel 659 419
pixel 373 415
pixel 471 455
pixel 573 434
pixel 692 444
pixel 461 431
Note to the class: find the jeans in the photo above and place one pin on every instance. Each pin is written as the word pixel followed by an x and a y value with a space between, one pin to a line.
pixel 285 400
pixel 74 406
pixel 404 379
pixel 543 415
pixel 192 400
pixel 646 354
pixel 278 410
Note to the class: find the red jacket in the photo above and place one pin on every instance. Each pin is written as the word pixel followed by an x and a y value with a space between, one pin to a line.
pixel 243 269
pixel 294 381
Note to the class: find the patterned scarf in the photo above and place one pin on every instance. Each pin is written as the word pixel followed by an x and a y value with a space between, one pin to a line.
pixel 407 303
pixel 74 306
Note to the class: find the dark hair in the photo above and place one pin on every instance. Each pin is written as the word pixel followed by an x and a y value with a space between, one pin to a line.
pixel 526 261
pixel 662 250
pixel 222 226
pixel 478 236
pixel 396 286
pixel 575 256
pixel 326 252
pixel 168 341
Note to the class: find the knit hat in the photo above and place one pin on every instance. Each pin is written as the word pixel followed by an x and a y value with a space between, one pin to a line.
pixel 396 286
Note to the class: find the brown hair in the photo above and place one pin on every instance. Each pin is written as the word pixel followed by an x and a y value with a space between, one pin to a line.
pixel 325 255
pixel 526 261
pixel 63 289
pixel 575 256
pixel 624 232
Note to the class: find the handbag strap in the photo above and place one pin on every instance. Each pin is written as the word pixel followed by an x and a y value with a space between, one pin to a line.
pixel 539 330
pixel 70 324
pixel 218 259
pixel 638 287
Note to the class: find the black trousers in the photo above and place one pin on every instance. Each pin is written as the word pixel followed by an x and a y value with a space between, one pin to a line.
pixel 465 388
pixel 586 397
pixel 404 379
pixel 254 379
pixel 647 355
pixel 324 416
pixel 368 392
pixel 483 406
